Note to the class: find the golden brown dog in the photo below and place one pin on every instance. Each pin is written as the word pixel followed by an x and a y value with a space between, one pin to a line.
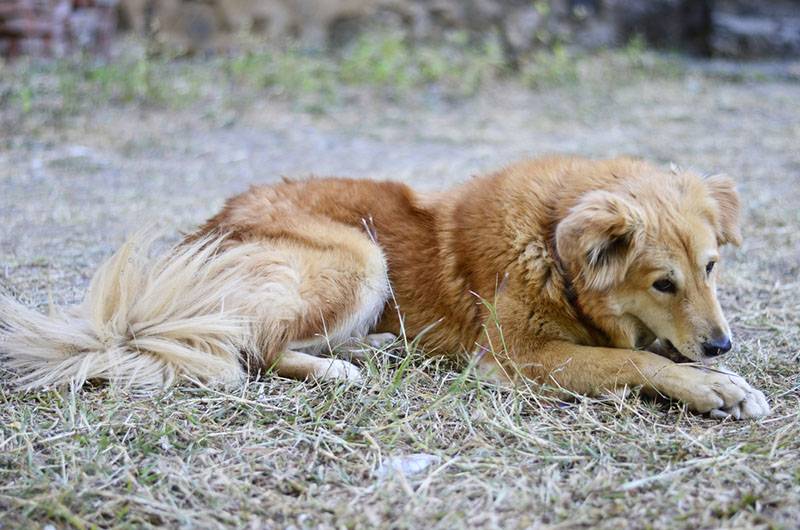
pixel 559 270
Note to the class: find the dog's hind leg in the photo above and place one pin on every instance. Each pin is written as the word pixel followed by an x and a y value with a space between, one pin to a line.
pixel 357 347
pixel 309 292
pixel 299 365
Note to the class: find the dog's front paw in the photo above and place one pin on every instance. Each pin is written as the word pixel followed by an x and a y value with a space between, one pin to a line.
pixel 717 392
pixel 754 405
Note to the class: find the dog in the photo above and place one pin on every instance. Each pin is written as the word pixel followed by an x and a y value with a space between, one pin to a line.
pixel 561 271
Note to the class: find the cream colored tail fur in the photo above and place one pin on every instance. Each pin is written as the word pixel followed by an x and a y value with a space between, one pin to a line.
pixel 143 323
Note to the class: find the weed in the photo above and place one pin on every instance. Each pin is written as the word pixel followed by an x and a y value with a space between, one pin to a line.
pixel 554 67
pixel 385 62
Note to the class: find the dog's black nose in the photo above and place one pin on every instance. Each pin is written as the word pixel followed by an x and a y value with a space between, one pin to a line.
pixel 716 347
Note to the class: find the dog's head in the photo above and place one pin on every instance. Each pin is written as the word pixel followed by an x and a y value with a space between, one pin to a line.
pixel 644 259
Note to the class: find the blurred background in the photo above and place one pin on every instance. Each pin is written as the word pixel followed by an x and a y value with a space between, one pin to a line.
pixel 709 28
pixel 166 51
pixel 58 55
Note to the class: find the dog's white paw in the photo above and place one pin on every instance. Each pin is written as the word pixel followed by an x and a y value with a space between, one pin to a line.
pixel 338 370
pixel 719 393
pixel 754 405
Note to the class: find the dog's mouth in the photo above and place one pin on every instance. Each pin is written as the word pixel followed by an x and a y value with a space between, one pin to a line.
pixel 648 340
pixel 665 348
pixel 678 356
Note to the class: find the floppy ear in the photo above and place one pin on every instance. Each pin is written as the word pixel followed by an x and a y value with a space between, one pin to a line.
pixel 596 240
pixel 726 219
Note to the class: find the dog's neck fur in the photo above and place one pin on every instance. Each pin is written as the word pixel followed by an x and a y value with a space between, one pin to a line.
pixel 570 294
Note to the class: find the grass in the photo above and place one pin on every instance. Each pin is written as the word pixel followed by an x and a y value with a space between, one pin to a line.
pixel 281 453
pixel 117 145
pixel 384 62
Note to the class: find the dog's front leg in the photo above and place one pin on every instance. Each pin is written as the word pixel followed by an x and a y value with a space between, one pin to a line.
pixel 596 371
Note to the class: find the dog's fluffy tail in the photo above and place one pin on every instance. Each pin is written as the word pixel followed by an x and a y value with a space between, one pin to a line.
pixel 144 322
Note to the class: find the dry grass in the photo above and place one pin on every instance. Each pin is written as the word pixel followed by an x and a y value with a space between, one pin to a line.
pixel 279 453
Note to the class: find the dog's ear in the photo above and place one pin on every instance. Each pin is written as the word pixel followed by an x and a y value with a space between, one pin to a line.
pixel 726 211
pixel 596 240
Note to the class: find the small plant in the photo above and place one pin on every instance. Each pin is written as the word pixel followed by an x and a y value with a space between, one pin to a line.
pixel 635 49
pixel 25 98
pixel 285 71
pixel 381 61
pixel 458 66
pixel 128 82
pixel 554 67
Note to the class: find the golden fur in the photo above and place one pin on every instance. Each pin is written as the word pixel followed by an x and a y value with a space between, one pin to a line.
pixel 545 270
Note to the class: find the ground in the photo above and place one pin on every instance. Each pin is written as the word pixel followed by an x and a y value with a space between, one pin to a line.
pixel 79 171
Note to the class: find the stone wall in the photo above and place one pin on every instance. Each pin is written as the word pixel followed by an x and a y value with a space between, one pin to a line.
pixel 735 28
pixel 756 29
pixel 55 27
pixel 729 28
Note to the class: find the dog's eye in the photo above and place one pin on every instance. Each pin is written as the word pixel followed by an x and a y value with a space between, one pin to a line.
pixel 710 266
pixel 664 285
